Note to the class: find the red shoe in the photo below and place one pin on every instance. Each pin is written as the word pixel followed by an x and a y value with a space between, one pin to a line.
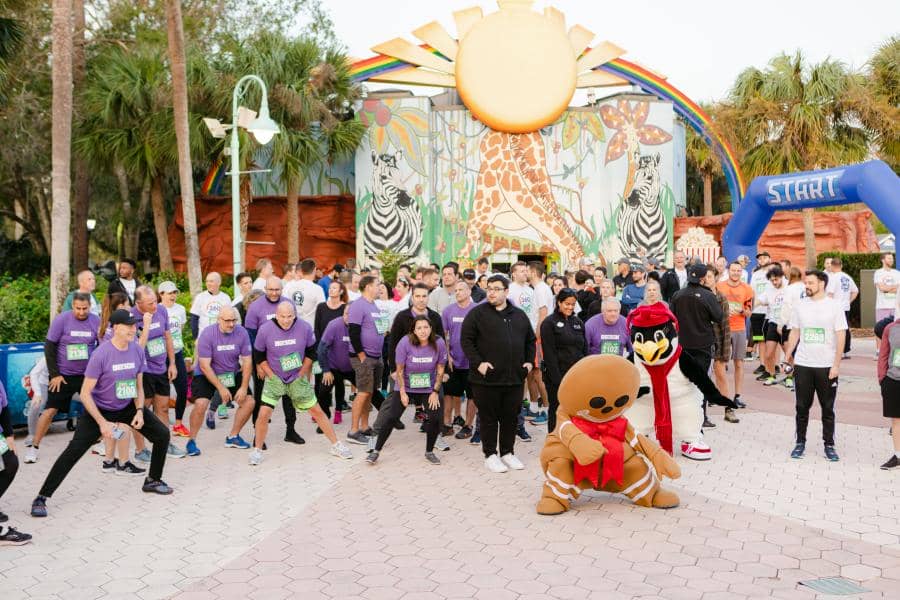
pixel 181 431
pixel 337 417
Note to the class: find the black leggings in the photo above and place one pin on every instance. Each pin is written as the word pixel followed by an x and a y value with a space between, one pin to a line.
pixel 498 408
pixel 86 434
pixel 180 384
pixel 553 404
pixel 810 381
pixel 391 411
pixel 323 392
pixel 10 467
pixel 290 413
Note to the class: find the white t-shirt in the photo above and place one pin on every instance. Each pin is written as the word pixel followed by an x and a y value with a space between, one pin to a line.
pixel 886 300
pixel 543 296
pixel 794 293
pixel 207 307
pixel 351 295
pixel 522 296
pixel 759 282
pixel 177 321
pixel 773 300
pixel 840 287
pixel 682 278
pixel 259 284
pixel 307 295
pixel 130 285
pixel 817 321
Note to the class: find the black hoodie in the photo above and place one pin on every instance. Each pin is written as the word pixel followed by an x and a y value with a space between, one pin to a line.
pixel 503 338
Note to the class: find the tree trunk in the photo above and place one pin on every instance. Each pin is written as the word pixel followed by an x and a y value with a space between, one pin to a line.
pixel 809 238
pixel 82 189
pixel 245 200
pixel 182 133
pixel 61 152
pixel 707 195
pixel 128 215
pixel 293 223
pixel 161 226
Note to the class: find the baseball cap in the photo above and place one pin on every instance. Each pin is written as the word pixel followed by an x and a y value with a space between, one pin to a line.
pixel 585 260
pixel 623 261
pixel 652 261
pixel 763 253
pixel 122 317
pixel 469 273
pixel 166 287
pixel 696 273
pixel 638 267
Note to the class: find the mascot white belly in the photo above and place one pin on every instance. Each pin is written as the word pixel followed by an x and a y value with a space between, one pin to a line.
pixel 686 403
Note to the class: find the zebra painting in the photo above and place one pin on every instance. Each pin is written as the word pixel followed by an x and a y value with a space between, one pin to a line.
pixel 394 221
pixel 642 224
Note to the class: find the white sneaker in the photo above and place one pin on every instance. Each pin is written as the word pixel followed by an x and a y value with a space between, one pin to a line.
pixel 256 457
pixel 99 449
pixel 31 455
pixel 495 465
pixel 30 439
pixel 512 462
pixel 341 450
pixel 441 444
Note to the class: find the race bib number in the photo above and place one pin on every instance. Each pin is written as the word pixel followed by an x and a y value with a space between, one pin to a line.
pixel 4 446
pixel 226 379
pixel 813 335
pixel 420 380
pixel 126 389
pixel 760 288
pixel 212 310
pixel 317 368
pixel 156 347
pixel 610 347
pixel 382 324
pixel 895 358
pixel 77 352
pixel 290 362
pixel 177 340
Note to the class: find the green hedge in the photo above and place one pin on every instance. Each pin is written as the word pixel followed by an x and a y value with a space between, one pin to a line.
pixel 852 264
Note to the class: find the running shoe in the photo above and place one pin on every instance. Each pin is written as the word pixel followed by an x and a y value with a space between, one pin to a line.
pixel 707 424
pixel 368 432
pixel 39 507
pixel 143 456
pixel 192 449
pixel 293 437
pixel 338 418
pixel 4 517
pixel 730 416
pixel 372 458
pixel 31 455
pixel 446 430
pixel 463 433
pixel 256 457
pixel 763 376
pixel 236 442
pixel 512 462
pixel 523 435
pixel 738 402
pixel 341 450
pixel 530 416
pixel 99 449
pixel 129 468
pixel 788 382
pixel 831 454
pixel 109 466
pixel 175 452
pixel 398 425
pixel 432 458
pixel 210 419
pixel 770 380
pixel 892 463
pixel 358 437
pixel 28 441
pixel 541 419
pixel 495 465
pixel 156 486
pixel 11 537
pixel 798 451
pixel 441 444
pixel 70 424
pixel 222 411
pixel 181 431
pixel 476 438
pixel 458 421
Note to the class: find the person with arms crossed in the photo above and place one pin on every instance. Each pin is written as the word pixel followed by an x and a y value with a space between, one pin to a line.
pixel 457 364
pixel 564 341
pixel 545 306
pixel 125 282
pixel 887 281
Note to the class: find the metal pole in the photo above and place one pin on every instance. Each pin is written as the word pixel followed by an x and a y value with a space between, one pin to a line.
pixel 235 187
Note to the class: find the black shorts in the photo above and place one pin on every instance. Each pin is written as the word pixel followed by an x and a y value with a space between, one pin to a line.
pixel 757 320
pixel 890 397
pixel 772 335
pixel 202 388
pixel 458 384
pixel 156 385
pixel 62 399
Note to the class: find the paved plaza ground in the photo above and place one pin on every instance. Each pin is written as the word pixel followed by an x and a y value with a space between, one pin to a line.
pixel 752 522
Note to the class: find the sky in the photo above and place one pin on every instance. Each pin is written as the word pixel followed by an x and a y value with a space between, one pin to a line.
pixel 699 45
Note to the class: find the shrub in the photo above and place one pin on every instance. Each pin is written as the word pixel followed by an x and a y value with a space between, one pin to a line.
pixel 852 264
pixel 24 309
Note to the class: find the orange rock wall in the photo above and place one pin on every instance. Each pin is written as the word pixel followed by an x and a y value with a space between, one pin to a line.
pixel 847 231
pixel 327 231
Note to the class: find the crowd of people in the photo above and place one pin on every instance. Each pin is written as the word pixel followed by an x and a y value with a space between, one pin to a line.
pixel 477 354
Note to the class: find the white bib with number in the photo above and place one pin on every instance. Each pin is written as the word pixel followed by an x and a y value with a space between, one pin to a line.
pixel 420 380
pixel 156 347
pixel 126 389
pixel 76 351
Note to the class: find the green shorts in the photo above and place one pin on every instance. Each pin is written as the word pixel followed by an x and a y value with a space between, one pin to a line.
pixel 299 391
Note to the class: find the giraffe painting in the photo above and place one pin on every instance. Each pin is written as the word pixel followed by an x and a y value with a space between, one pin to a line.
pixel 513 193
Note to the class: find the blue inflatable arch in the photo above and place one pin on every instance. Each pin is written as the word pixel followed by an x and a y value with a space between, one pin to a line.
pixel 872 182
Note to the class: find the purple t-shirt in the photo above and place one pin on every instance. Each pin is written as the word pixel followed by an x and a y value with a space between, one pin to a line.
pixel 76 341
pixel 156 343
pixel 261 310
pixel 453 317
pixel 4 402
pixel 337 337
pixel 225 349
pixel 607 339
pixel 116 374
pixel 420 364
pixel 374 325
pixel 285 350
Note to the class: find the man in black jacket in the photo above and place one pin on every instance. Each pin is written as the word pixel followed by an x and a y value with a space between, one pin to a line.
pixel 500 344
pixel 675 278
pixel 125 283
pixel 696 309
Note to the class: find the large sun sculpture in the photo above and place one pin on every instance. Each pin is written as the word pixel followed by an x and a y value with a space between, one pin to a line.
pixel 516 71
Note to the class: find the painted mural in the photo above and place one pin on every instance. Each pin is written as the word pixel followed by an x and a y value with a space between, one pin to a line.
pixel 599 182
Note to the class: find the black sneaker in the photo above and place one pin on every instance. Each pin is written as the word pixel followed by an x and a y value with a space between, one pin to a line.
pixel 831 454
pixel 738 402
pixel 523 435
pixel 420 416
pixel 110 466
pixel 459 421
pixel 293 437
pixel 760 369
pixel 432 458
pixel 372 457
pixel 11 537
pixel 763 376
pixel 398 424
pixel 156 486
pixel 129 468
pixel 798 451
pixel 892 463
pixel 463 433
pixel 70 425
pixel 369 432
pixel 318 430
pixel 39 507
pixel 707 424
pixel 446 429
pixel 3 517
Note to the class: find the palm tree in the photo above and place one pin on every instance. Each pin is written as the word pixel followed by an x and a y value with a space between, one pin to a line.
pixel 61 152
pixel 182 133
pixel 701 157
pixel 884 85
pixel 795 117
pixel 11 34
